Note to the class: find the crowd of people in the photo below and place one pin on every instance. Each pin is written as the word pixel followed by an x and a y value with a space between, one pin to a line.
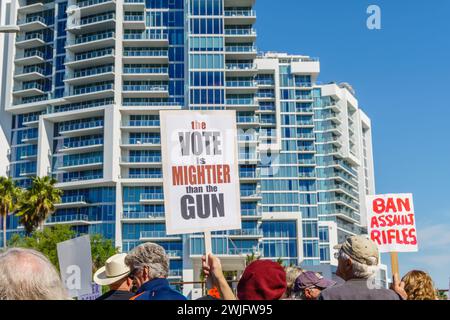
pixel 142 275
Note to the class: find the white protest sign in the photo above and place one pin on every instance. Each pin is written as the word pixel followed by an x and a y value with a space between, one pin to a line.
pixel 75 263
pixel 391 222
pixel 201 172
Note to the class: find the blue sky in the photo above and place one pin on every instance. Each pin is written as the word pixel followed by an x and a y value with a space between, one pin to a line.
pixel 401 75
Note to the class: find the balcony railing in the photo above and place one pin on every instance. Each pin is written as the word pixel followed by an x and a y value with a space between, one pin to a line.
pixel 145 53
pixel 148 88
pixel 247 119
pixel 152 196
pixel 92 72
pixel 134 17
pixel 246 232
pixel 240 32
pixel 87 3
pixel 143 141
pixel 149 70
pixel 143 215
pixel 73 199
pixel 67 218
pixel 31 36
pixel 249 193
pixel 143 176
pixel 91 89
pixel 145 36
pixel 242 83
pixel 240 13
pixel 81 125
pixel 141 159
pixel 250 49
pixel 98 18
pixel 94 54
pixel 240 66
pixel 242 101
pixel 83 161
pixel 82 143
pixel 141 123
pixel 94 37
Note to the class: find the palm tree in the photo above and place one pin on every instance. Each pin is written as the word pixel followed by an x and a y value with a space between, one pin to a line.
pixel 38 203
pixel 9 199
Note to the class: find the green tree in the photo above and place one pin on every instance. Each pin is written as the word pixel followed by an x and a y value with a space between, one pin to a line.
pixel 38 203
pixel 45 241
pixel 9 199
pixel 251 257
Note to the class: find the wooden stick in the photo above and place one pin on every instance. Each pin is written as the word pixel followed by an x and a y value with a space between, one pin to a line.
pixel 394 264
pixel 208 251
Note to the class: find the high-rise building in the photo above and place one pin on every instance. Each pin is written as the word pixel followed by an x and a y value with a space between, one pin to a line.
pixel 89 78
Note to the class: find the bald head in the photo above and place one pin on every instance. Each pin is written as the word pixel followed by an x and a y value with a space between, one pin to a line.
pixel 28 275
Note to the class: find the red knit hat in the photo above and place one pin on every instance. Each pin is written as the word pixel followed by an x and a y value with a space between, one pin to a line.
pixel 262 280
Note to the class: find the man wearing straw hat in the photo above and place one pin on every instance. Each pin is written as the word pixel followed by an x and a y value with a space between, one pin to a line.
pixel 116 275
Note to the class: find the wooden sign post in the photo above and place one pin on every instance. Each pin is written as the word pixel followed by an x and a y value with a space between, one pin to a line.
pixel 394 264
pixel 208 251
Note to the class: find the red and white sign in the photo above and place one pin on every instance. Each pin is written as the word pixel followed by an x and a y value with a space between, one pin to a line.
pixel 391 222
pixel 201 172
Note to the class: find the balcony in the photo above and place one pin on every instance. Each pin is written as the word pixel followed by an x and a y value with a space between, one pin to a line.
pixel 145 90
pixel 141 143
pixel 30 40
pixel 239 17
pixel 133 21
pixel 92 58
pixel 91 41
pixel 237 35
pixel 71 147
pixel 242 52
pixel 248 158
pixel 134 5
pixel 30 73
pixel 246 233
pixel 158 235
pixel 25 8
pixel 69 165
pixel 90 7
pixel 29 89
pixel 71 219
pixel 250 195
pixel 81 128
pixel 91 75
pixel 72 202
pixel 151 198
pixel 150 217
pixel 145 72
pixel 141 125
pixel 251 214
pixel 240 69
pixel 93 91
pixel 145 39
pixel 145 55
pixel 94 23
pixel 241 87
pixel 33 23
pixel 249 176
pixel 242 104
pixel 141 161
pixel 30 57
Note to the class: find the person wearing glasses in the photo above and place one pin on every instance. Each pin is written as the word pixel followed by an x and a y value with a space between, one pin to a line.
pixel 116 275
pixel 358 259
pixel 149 265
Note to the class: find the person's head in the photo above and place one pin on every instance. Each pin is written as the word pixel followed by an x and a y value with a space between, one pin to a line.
pixel 310 284
pixel 147 262
pixel 115 274
pixel 262 280
pixel 292 274
pixel 357 258
pixel 26 274
pixel 419 286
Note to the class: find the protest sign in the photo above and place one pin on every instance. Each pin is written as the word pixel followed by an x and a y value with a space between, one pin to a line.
pixel 391 222
pixel 75 263
pixel 391 225
pixel 200 169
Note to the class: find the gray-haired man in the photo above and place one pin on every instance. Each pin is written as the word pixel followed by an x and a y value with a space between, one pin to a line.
pixel 357 265
pixel 149 265
pixel 26 274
